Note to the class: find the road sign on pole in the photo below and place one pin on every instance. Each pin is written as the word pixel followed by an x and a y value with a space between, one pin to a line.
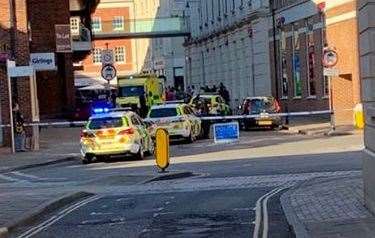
pixel 330 58
pixel 109 72
pixel 107 57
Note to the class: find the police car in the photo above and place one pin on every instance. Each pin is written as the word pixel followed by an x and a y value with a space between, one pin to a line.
pixel 178 119
pixel 210 104
pixel 115 134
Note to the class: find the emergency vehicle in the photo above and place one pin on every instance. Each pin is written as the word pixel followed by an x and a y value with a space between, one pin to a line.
pixel 116 133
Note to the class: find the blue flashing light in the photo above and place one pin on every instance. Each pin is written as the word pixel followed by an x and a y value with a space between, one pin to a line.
pixel 100 110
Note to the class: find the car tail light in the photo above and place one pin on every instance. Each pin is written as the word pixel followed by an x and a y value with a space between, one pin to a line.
pixel 129 131
pixel 86 135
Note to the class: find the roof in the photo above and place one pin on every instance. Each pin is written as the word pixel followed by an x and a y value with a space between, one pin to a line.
pixel 208 95
pixel 111 114
pixel 172 105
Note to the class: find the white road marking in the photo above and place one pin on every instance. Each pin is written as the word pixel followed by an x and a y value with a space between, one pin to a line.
pixel 33 231
pixel 11 179
pixel 258 211
pixel 26 175
pixel 265 212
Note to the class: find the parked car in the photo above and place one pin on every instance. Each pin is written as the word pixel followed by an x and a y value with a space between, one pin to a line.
pixel 263 108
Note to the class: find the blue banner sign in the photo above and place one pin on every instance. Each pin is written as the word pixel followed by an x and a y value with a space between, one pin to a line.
pixel 226 132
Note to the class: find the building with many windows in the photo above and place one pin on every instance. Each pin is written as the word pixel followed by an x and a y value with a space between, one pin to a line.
pixel 303 30
pixel 228 45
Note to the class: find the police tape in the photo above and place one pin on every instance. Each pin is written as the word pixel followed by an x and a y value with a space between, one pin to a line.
pixel 209 118
pixel 265 115
pixel 51 124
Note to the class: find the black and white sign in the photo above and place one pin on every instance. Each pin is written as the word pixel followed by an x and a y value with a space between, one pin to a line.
pixel 107 57
pixel 332 72
pixel 330 58
pixel 109 72
pixel 43 61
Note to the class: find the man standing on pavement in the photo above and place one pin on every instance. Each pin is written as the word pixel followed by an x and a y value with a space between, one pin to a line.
pixel 19 129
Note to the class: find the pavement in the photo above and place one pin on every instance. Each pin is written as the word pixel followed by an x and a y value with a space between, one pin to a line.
pixel 56 145
pixel 318 125
pixel 329 207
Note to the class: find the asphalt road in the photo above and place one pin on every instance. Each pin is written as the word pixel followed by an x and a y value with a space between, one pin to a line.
pixel 237 188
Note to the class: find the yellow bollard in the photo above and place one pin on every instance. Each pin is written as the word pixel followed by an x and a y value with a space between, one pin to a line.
pixel 162 149
pixel 359 118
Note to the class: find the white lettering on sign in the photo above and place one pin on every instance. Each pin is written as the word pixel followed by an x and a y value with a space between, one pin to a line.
pixel 43 61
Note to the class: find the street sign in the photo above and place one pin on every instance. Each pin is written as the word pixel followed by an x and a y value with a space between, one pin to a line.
pixel 107 57
pixel 162 149
pixel 109 72
pixel 330 58
pixel 226 132
pixel 43 61
pixel 63 39
pixel 332 72
pixel 20 71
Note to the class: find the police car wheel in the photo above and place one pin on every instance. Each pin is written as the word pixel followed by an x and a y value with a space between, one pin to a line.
pixel 140 155
pixel 151 148
pixel 190 139
pixel 87 159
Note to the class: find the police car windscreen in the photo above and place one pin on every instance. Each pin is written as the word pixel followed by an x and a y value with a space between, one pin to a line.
pixel 163 112
pixel 105 123
pixel 131 91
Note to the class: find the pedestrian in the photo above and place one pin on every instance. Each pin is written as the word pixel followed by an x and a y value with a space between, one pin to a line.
pixel 19 129
pixel 214 89
pixel 113 97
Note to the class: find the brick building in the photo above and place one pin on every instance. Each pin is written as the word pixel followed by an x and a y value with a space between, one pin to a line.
pixel 112 23
pixel 26 30
pixel 302 30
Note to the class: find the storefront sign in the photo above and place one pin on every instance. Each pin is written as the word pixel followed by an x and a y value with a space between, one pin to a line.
pixel 43 61
pixel 63 39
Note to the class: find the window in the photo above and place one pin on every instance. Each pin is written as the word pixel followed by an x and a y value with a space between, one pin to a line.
pixel 296 63
pixel 118 23
pixel 97 56
pixel 120 54
pixel 283 65
pixel 96 24
pixel 311 61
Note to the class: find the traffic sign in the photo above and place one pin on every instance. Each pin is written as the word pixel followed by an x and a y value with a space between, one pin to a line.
pixel 109 72
pixel 332 72
pixel 107 57
pixel 330 58
pixel 226 132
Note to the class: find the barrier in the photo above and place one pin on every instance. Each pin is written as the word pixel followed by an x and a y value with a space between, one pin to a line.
pixel 209 118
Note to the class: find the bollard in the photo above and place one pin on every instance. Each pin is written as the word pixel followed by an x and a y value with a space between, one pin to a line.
pixel 162 149
pixel 359 119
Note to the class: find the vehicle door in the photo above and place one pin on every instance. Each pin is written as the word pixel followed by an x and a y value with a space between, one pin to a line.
pixel 141 129
pixel 194 120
